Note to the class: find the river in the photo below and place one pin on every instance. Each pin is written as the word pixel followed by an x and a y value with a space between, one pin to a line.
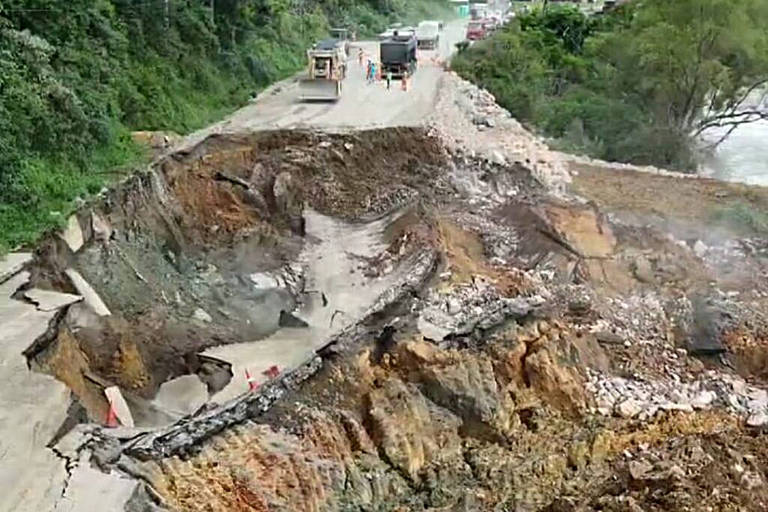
pixel 743 156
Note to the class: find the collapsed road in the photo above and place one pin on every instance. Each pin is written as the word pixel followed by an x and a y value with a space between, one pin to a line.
pixel 403 301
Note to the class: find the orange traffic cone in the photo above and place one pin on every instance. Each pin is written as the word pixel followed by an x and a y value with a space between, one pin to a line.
pixel 272 372
pixel 252 384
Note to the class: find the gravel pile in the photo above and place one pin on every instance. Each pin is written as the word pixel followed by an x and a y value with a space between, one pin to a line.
pixel 631 398
pixel 467 118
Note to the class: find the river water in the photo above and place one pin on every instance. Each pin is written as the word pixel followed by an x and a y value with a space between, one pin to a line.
pixel 743 156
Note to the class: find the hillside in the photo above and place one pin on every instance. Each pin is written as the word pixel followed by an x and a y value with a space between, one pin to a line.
pixel 76 77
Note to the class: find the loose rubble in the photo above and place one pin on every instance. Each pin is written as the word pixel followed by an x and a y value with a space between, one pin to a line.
pixel 469 118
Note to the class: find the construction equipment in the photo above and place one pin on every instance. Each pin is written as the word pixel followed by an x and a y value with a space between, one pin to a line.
pixel 327 69
pixel 341 36
pixel 398 54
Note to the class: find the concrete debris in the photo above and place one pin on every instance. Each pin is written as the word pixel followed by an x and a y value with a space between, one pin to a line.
pixel 264 281
pixel 464 111
pixel 629 408
pixel 202 315
pixel 73 234
pixel 12 263
pixel 645 399
pixel 433 332
pixel 468 308
pixel 47 300
pixel 757 420
pixel 700 248
pixel 182 395
pixel 89 295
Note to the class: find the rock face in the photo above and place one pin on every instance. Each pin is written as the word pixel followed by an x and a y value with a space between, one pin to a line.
pixel 421 425
pixel 462 383
pixel 410 431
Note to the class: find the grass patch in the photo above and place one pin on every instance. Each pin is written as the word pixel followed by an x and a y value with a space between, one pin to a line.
pixel 50 187
pixel 742 218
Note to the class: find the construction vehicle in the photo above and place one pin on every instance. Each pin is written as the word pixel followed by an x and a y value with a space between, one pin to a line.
pixel 326 70
pixel 428 34
pixel 398 54
pixel 341 35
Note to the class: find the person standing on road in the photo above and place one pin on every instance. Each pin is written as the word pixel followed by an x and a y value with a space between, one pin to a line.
pixel 368 71
pixel 373 72
pixel 389 80
pixel 360 56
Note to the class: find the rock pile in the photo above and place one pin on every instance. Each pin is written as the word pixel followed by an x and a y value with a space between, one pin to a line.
pixel 467 308
pixel 467 117
pixel 631 398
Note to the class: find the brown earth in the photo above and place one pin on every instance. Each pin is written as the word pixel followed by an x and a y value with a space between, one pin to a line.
pixel 434 429
pixel 180 239
pixel 690 208
pixel 498 416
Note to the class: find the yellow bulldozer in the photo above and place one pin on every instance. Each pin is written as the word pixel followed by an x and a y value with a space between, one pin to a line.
pixel 326 70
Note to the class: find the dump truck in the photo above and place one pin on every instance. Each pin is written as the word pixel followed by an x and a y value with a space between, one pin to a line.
pixel 398 54
pixel 326 70
pixel 428 35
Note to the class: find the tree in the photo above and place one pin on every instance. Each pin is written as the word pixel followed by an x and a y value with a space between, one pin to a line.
pixel 695 62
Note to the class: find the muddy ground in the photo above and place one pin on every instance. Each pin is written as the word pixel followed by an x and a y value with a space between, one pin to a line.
pixel 171 252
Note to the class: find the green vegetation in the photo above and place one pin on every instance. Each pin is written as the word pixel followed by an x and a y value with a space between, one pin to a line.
pixel 743 218
pixel 638 85
pixel 76 76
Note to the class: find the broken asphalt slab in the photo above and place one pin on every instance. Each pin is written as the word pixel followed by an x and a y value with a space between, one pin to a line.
pixel 32 408
pixel 12 264
pixel 47 300
pixel 89 294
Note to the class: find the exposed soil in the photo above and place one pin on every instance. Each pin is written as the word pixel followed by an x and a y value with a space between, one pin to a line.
pixel 688 208
pixel 184 238
pixel 560 356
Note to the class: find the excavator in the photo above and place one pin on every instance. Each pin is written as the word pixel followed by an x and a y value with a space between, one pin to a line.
pixel 326 70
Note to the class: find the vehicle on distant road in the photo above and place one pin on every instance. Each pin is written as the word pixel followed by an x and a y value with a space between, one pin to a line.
pixel 478 11
pixel 326 70
pixel 398 54
pixel 476 30
pixel 428 35
pixel 342 36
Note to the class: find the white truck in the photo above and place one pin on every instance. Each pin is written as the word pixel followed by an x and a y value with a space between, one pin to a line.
pixel 428 35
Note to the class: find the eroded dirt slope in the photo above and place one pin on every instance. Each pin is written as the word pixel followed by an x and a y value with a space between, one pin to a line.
pixel 538 351
pixel 558 359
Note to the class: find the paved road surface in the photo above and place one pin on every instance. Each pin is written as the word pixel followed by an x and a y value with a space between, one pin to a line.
pixel 332 264
pixel 361 106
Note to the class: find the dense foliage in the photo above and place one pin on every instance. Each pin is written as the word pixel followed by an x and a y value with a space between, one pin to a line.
pixel 77 75
pixel 637 85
